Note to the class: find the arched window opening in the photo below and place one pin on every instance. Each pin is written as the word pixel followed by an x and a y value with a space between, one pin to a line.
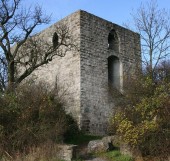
pixel 114 71
pixel 113 42
pixel 55 40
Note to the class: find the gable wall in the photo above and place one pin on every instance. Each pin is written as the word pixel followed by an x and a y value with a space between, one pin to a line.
pixel 65 71
pixel 96 106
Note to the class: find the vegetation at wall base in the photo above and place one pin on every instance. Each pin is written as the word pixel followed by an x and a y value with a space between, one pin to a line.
pixel 143 119
pixel 31 116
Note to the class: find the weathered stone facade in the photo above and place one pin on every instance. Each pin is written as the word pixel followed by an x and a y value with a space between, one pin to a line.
pixel 85 73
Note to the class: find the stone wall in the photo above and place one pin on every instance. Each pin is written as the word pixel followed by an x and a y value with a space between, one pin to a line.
pixel 84 73
pixel 64 71
pixel 94 52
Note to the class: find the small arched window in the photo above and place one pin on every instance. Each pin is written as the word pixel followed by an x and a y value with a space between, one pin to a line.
pixel 55 40
pixel 114 71
pixel 113 42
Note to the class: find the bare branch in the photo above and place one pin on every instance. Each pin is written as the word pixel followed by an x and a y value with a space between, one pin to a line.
pixel 17 25
pixel 153 25
pixel 37 51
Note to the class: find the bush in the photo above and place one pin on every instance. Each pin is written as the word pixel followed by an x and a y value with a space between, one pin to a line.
pixel 144 119
pixel 44 152
pixel 72 130
pixel 30 116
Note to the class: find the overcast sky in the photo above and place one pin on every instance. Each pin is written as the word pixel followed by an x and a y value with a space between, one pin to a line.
pixel 117 11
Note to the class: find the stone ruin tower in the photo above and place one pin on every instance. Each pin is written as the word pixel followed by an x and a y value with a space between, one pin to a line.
pixel 107 52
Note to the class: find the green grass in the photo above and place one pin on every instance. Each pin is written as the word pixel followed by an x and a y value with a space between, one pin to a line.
pixel 115 156
pixel 82 139
pixel 111 156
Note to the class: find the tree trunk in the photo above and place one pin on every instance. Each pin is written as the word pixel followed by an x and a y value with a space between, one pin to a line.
pixel 11 78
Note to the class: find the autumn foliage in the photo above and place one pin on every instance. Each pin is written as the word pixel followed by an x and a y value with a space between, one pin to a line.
pixel 143 118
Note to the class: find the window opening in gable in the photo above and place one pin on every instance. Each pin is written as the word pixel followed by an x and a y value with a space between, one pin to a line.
pixel 114 71
pixel 55 40
pixel 113 42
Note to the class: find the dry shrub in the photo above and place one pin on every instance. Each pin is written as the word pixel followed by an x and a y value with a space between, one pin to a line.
pixel 30 116
pixel 45 152
pixel 48 151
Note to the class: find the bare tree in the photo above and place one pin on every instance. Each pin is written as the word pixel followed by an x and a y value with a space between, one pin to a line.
pixel 22 50
pixel 153 24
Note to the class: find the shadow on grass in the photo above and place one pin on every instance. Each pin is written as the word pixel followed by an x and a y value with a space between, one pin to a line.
pixel 81 138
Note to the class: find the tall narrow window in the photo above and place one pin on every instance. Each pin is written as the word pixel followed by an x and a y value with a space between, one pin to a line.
pixel 113 42
pixel 114 71
pixel 55 40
